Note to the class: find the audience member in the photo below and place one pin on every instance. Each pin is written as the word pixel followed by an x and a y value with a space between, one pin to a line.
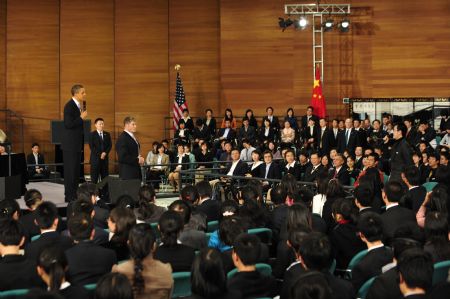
pixel 32 198
pixel 114 286
pixel 147 211
pixel 120 222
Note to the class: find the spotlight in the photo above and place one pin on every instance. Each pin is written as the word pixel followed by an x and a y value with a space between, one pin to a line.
pixel 284 23
pixel 301 23
pixel 344 26
pixel 328 25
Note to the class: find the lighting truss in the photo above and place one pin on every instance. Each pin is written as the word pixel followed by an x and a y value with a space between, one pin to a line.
pixel 311 9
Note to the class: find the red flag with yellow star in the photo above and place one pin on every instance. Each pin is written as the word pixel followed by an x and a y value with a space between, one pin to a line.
pixel 318 100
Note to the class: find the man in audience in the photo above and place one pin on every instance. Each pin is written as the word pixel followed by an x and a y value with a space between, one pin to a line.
pixel 415 196
pixel 401 153
pixel 87 261
pixel 188 236
pixel 89 192
pixel 100 146
pixel 274 123
pixel 363 199
pixel 32 198
pixel 226 133
pixel 270 170
pixel 248 281
pixel 315 169
pixel 415 269
pixel 348 138
pixel 425 133
pixel 47 219
pixel 395 215
pixel 433 162
pixel 278 215
pixel 16 271
pixel 340 171
pixel 308 116
pixel 247 150
pixel 37 171
pixel 292 166
pixel 371 232
pixel 237 167
pixel 205 204
pixel 333 137
pixel 246 131
pixel 358 157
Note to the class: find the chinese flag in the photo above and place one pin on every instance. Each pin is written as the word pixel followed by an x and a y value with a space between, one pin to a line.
pixel 317 100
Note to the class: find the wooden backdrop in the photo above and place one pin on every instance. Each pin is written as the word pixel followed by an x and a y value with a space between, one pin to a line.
pixel 232 54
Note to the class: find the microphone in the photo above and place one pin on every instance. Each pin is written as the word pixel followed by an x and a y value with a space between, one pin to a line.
pixel 84 105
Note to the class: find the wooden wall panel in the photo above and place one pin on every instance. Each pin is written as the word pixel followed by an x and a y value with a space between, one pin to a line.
pixel 87 56
pixel 194 38
pixel 2 61
pixel 141 67
pixel 32 64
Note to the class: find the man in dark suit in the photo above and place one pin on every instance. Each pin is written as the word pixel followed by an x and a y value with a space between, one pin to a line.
pixel 47 219
pixel 339 171
pixel 36 158
pixel 16 271
pixel 401 153
pixel 395 215
pixel 274 123
pixel 333 137
pixel 415 271
pixel 309 115
pixel 270 169
pixel 348 138
pixel 311 135
pixel 72 140
pixel 315 169
pixel 100 145
pixel 364 199
pixel 246 131
pixel 201 131
pixel 87 262
pixel 226 133
pixel 206 205
pixel 370 229
pixel 128 151
pixel 324 138
pixel 415 196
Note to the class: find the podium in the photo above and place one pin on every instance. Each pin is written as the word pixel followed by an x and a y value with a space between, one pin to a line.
pixel 13 181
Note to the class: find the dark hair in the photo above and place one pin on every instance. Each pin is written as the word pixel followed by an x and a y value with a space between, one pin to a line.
pixel 401 127
pixel 82 207
pixel 208 279
pixel 87 191
pixel 371 226
pixel 248 248
pixel 147 193
pixel 305 195
pixel 80 227
pixel 335 189
pixel 412 175
pixel 182 208
pixel 416 268
pixel 204 189
pixel 145 206
pixel 8 208
pixel 364 194
pixel 250 209
pixel 345 208
pixel 316 251
pixel 170 225
pixel 34 144
pixel 394 191
pixel 11 232
pixel 140 243
pixel 322 184
pixel 199 122
pixel 230 118
pixel 298 216
pixel 406 237
pixel 230 206
pixel 311 285
pixel 289 184
pixel 296 237
pixel 230 228
pixel 31 197
pixel 126 201
pixel 278 195
pixel 436 234
pixel 98 119
pixel 438 200
pixel 124 219
pixel 114 286
pixel 189 193
pixel 54 262
pixel 267 109
pixel 46 213
pixel 442 174
pixel 75 89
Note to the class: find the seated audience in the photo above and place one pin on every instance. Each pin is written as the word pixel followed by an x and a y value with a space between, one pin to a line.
pixel 90 192
pixel 32 198
pixel 363 199
pixel 437 236
pixel 415 196
pixel 180 163
pixel 435 201
pixel 34 161
pixel 206 205
pixel 114 286
pixel 147 211
pixel 120 222
pixel 150 278
pixel 311 284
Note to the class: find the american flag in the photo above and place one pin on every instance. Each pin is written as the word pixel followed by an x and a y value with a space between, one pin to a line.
pixel 179 104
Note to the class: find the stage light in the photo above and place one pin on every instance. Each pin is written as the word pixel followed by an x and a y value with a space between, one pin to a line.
pixel 328 25
pixel 301 23
pixel 344 26
pixel 284 23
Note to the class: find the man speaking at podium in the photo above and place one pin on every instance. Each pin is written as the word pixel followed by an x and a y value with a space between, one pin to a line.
pixel 72 140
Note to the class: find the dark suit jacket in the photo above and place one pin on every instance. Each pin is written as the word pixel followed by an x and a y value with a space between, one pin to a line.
pixel 201 133
pixel 99 145
pixel 263 138
pixel 179 256
pixel 34 248
pixel 210 208
pixel 273 124
pixel 253 284
pixel 274 171
pixel 28 224
pixel 316 134
pixel 290 278
pixel 310 175
pixel 231 134
pixel 340 288
pixel 385 286
pixel 343 176
pixel 250 134
pixel 332 140
pixel 240 169
pixel 127 152
pixel 345 243
pixel 88 262
pixel 74 292
pixel 185 159
pixel 31 161
pixel 72 137
pixel 393 218
pixel 305 120
pixel 370 266
pixel 414 198
pixel 212 126
pixel 401 156
pixel 296 171
pixel 353 141
pixel 17 272
pixel 325 140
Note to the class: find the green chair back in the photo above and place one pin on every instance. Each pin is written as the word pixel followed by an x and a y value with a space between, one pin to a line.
pixel 90 287
pixel 212 226
pixel 441 271
pixel 34 238
pixel 264 269
pixel 182 284
pixel 356 259
pixel 10 293
pixel 429 186
pixel 156 230
pixel 385 178
pixel 365 288
pixel 264 234
pixel 333 266
pixel 352 181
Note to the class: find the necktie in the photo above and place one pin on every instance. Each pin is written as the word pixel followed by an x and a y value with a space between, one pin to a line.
pixel 101 135
pixel 267 170
pixel 347 134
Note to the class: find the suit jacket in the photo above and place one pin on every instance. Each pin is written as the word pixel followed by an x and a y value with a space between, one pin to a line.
pixel 83 270
pixel 305 120
pixel 250 134
pixel 401 155
pixel 201 133
pixel 385 286
pixel 414 198
pixel 315 135
pixel 72 137
pixel 370 265
pixel 75 292
pixel 165 160
pixel 127 152
pixel 262 138
pixel 99 145
pixel 212 126
pixel 274 171
pixel 310 175
pixel 240 169
pixel 395 217
pixel 290 278
pixel 324 141
pixel 353 141
pixel 296 171
pixel 32 161
pixel 34 248
pixel 231 134
pixel 180 256
pixel 340 288
pixel 253 284
pixel 27 222
pixel 345 243
pixel 273 124
pixel 210 208
pixel 333 140
pixel 185 159
pixel 18 272
pixel 343 176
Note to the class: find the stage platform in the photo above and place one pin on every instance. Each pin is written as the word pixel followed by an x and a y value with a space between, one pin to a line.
pixel 54 192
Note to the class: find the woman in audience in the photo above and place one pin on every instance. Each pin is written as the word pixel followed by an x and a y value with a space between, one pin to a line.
pixel 210 122
pixel 182 134
pixel 325 162
pixel 120 222
pixel 344 239
pixel 266 133
pixel 208 278
pixel 287 135
pixel 182 163
pixel 149 277
pixel 252 122
pixel 289 184
pixel 170 251
pixel 203 157
pixel 352 171
pixel 9 209
pixel 230 227
pixel 114 286
pixel 147 211
pixel 159 166
pixel 152 153
pixel 311 284
pixel 229 116
pixel 291 118
pixel 228 210
pixel 321 197
pixel 435 201
pixel 334 191
pixel 437 236
pixel 256 166
pixel 252 208
pixel 51 267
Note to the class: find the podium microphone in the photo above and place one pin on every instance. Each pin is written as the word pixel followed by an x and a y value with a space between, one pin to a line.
pixel 84 105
